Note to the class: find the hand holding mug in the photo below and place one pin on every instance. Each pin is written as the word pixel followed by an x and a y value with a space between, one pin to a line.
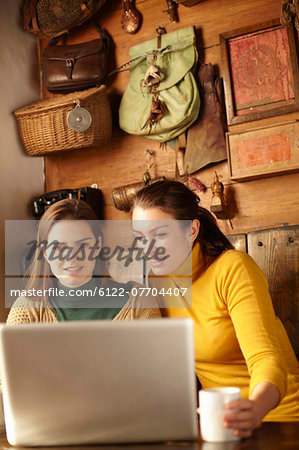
pixel 242 416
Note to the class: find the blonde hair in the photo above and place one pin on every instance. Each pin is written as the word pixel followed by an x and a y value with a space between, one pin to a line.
pixel 39 274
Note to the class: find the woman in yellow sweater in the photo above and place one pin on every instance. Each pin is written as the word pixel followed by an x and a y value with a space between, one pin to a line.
pixel 238 339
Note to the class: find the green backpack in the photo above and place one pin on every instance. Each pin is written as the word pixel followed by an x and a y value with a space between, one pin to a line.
pixel 161 100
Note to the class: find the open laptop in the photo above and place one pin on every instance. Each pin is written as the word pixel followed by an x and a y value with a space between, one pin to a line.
pixel 98 382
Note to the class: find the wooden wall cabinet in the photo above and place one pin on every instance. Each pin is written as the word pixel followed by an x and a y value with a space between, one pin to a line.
pixel 276 251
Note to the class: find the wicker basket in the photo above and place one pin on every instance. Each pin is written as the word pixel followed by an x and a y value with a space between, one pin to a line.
pixel 44 129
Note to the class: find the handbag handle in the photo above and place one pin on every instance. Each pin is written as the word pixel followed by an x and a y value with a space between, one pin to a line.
pixel 103 34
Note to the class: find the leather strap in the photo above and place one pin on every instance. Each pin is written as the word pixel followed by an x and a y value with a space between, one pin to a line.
pixel 160 31
pixel 99 29
pixel 27 16
pixel 85 8
pixel 31 17
pixel 180 145
pixel 95 25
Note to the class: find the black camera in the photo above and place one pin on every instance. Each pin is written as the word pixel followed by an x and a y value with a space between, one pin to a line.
pixel 90 195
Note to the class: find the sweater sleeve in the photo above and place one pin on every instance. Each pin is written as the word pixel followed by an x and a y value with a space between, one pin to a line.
pixel 245 292
pixel 139 306
pixel 27 311
pixel 22 311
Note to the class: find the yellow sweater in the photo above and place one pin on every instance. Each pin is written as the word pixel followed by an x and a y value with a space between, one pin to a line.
pixel 238 339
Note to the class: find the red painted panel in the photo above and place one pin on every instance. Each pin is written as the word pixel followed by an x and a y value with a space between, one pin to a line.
pixel 261 68
pixel 264 150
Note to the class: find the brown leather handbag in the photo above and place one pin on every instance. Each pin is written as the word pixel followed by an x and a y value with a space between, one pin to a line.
pixel 69 68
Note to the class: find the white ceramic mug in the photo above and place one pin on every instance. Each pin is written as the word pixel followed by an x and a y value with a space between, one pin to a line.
pixel 232 445
pixel 212 407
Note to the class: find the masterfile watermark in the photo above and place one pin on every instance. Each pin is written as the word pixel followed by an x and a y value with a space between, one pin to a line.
pixel 103 253
pixel 40 254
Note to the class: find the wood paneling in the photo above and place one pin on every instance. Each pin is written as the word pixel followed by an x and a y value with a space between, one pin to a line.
pixel 276 251
pixel 239 241
pixel 255 204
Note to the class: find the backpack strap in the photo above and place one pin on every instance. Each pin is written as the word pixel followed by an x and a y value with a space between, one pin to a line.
pixel 180 146
pixel 160 31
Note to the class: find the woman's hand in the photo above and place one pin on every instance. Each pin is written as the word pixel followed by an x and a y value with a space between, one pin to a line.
pixel 265 396
pixel 246 419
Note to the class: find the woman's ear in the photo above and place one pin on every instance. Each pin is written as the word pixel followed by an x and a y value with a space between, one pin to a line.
pixel 195 229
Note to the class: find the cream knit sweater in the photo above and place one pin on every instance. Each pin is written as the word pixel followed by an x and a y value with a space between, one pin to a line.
pixel 27 311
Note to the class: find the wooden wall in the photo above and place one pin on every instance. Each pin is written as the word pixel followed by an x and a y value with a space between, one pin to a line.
pixel 264 203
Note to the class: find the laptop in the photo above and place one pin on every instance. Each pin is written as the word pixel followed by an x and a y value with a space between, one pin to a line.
pixel 98 382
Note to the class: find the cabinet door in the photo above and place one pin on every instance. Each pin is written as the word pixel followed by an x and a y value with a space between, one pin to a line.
pixel 276 251
pixel 239 241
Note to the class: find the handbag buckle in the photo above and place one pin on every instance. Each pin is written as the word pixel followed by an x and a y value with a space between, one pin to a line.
pixel 69 67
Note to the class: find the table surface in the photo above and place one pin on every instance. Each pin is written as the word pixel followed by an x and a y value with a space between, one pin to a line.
pixel 269 436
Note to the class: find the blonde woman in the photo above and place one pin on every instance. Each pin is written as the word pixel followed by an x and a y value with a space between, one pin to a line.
pixel 66 265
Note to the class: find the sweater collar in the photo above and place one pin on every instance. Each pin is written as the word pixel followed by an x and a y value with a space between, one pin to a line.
pixel 191 268
pixel 187 272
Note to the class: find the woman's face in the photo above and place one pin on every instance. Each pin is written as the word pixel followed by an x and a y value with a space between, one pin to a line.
pixel 72 252
pixel 158 227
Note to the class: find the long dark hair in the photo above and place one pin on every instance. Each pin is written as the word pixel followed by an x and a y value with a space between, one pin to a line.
pixel 177 200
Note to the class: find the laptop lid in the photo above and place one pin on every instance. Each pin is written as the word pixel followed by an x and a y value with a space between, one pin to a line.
pixel 98 382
